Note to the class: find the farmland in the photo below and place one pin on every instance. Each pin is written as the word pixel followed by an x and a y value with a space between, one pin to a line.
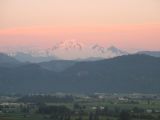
pixel 98 106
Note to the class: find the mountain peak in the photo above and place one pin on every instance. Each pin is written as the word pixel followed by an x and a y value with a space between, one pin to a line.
pixel 113 49
pixel 109 52
pixel 98 48
pixel 116 50
pixel 69 45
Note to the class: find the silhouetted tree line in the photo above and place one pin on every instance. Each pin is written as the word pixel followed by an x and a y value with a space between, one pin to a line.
pixel 56 112
pixel 46 98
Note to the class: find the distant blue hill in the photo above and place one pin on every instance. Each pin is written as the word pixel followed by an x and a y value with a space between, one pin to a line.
pixel 129 73
pixel 24 57
pixel 151 53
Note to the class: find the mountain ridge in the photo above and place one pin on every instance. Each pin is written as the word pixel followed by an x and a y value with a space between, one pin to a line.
pixel 128 73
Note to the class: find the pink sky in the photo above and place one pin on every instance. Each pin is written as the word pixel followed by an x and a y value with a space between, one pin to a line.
pixel 127 24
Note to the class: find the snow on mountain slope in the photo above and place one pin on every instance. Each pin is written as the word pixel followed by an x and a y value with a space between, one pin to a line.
pixel 68 45
pixel 67 50
pixel 105 52
pixel 72 49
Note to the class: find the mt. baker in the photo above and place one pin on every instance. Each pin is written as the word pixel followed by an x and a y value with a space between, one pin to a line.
pixel 72 49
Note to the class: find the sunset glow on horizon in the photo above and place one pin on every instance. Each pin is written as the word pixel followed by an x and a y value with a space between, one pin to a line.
pixel 127 24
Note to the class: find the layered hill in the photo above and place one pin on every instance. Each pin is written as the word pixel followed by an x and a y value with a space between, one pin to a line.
pixel 129 73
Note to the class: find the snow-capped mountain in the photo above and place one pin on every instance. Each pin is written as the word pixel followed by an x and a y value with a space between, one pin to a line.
pixel 116 51
pixel 68 50
pixel 109 52
pixel 98 48
pixel 68 45
pixel 72 49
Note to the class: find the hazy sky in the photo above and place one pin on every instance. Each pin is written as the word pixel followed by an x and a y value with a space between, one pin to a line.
pixel 128 24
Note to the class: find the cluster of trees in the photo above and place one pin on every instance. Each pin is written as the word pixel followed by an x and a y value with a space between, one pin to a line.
pixel 56 112
pixel 81 112
pixel 78 113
